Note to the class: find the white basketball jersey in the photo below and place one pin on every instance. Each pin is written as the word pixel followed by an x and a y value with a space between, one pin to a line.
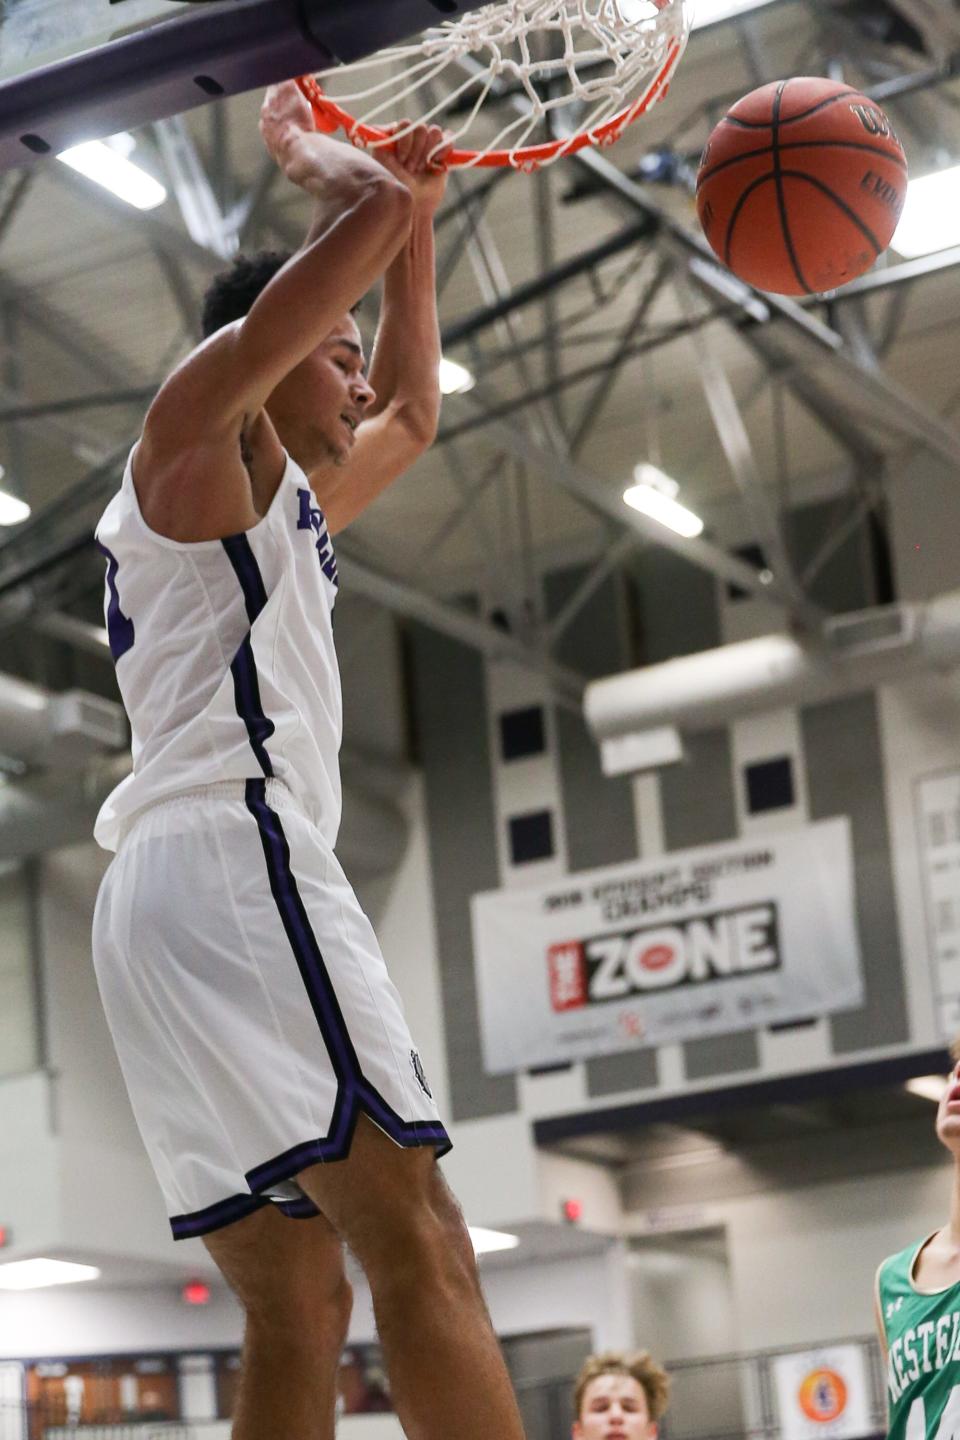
pixel 224 655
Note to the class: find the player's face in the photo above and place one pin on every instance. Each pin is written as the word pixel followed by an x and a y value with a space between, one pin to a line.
pixel 318 408
pixel 948 1113
pixel 614 1408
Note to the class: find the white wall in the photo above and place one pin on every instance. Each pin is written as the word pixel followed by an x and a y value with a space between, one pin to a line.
pixel 803 1262
pixel 402 911
pixel 591 1293
pixel 682 1298
pixel 803 1257
pixel 76 1320
pixel 110 1199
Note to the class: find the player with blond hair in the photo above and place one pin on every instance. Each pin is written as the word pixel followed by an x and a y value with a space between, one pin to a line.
pixel 620 1395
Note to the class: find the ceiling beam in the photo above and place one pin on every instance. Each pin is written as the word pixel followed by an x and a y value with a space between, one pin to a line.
pixel 607 500
pixel 403 599
pixel 787 328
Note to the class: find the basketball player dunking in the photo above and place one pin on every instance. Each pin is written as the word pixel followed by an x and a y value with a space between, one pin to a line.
pixel 918 1309
pixel 265 1050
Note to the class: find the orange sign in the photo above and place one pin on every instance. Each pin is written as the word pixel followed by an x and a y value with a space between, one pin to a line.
pixel 823 1396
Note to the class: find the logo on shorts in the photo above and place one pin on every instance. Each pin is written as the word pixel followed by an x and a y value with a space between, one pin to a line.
pixel 420 1073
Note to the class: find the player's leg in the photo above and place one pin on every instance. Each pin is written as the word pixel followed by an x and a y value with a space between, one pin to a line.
pixel 396 1212
pixel 289 1278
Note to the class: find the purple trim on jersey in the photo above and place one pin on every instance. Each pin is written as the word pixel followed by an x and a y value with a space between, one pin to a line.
pixel 243 668
pixel 247 571
pixel 120 630
pixel 215 1217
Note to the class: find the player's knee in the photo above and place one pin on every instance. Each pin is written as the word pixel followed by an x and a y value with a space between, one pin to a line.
pixel 422 1241
pixel 310 1307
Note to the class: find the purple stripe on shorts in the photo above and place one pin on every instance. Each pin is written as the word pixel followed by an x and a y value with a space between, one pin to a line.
pixel 355 1093
pixel 214 1217
pixel 303 942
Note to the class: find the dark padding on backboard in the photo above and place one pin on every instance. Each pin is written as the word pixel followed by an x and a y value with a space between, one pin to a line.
pixel 205 50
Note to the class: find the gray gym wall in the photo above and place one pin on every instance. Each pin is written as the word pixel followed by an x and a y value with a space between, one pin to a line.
pixel 660 607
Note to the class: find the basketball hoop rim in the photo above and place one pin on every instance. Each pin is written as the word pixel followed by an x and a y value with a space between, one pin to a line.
pixel 330 117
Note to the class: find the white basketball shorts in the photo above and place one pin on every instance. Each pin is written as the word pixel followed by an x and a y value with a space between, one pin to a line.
pixel 251 1009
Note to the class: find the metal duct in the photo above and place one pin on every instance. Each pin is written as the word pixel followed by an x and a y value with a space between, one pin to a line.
pixel 38 729
pixel 49 811
pixel 854 652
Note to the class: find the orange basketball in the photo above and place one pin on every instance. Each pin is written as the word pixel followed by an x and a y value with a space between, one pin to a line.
pixel 801 186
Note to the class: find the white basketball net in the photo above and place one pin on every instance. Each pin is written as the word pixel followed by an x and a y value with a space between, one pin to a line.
pixel 592 60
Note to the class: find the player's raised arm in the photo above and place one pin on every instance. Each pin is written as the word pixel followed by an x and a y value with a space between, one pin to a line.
pixel 363 220
pixel 405 370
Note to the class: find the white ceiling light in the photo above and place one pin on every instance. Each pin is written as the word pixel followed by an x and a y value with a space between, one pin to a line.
pixel 637 11
pixel 655 494
pixel 37 1274
pixel 708 12
pixel 931 215
pixel 928 1087
pixel 486 1241
pixel 455 379
pixel 107 163
pixel 12 510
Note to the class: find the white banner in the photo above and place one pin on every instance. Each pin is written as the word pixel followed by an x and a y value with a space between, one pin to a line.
pixel 823 1393
pixel 698 942
pixel 938 821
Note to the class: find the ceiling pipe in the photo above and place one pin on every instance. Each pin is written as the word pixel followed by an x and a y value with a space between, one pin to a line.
pixel 715 687
pixel 68 746
pixel 41 730
pixel 49 811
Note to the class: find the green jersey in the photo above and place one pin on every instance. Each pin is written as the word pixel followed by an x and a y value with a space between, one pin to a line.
pixel 923 1344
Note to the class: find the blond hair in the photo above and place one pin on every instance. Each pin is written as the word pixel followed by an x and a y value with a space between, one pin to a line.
pixel 640 1365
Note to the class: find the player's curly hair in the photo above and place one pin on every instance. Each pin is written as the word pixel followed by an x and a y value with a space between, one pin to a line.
pixel 640 1364
pixel 231 294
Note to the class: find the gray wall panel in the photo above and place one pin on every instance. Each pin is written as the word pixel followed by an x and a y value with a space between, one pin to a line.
pixel 630 1070
pixel 601 829
pixel 676 610
pixel 722 1055
pixel 844 760
pixel 601 826
pixel 447 681
pixel 697 796
pixel 699 808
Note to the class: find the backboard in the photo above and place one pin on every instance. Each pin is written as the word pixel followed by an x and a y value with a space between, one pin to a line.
pixel 73 70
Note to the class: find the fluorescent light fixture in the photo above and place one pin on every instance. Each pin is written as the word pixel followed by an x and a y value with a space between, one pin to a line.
pixel 928 1087
pixel 12 510
pixel 455 379
pixel 486 1241
pixel 931 215
pixel 709 12
pixel 635 12
pixel 107 163
pixel 37 1274
pixel 654 495
pixel 705 12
